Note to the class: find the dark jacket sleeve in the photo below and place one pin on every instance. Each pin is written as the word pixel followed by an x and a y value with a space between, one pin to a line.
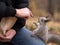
pixel 21 3
pixel 6 11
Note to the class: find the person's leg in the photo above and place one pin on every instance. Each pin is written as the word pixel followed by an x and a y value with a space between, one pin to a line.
pixel 23 37
pixel 1 43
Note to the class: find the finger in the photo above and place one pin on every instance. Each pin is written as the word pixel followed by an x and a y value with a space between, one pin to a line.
pixel 11 35
pixel 5 40
pixel 8 33
pixel 1 36
pixel 31 14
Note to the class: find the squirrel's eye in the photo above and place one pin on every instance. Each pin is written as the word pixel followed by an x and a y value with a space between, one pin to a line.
pixel 42 20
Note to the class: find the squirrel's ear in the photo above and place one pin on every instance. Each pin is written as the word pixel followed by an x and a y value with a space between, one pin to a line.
pixel 47 16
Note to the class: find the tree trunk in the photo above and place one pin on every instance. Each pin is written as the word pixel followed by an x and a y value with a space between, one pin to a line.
pixel 51 7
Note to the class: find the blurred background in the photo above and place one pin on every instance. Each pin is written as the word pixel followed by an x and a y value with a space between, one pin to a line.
pixel 44 8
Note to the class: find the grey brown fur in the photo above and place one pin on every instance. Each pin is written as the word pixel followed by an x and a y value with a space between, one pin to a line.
pixel 42 31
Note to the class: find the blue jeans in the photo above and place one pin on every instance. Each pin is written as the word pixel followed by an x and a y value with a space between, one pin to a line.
pixel 23 37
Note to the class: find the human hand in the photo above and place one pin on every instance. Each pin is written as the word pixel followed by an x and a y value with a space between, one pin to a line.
pixel 8 36
pixel 24 13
